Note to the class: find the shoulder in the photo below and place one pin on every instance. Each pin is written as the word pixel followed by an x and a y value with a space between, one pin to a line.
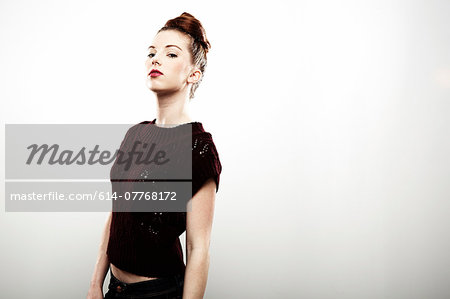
pixel 138 127
pixel 203 143
pixel 205 155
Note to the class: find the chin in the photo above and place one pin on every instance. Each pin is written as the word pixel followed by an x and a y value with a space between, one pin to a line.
pixel 152 86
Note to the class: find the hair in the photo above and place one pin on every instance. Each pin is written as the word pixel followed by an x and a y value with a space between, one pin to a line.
pixel 199 46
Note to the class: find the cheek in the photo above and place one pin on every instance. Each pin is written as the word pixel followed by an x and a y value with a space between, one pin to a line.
pixel 182 70
pixel 148 63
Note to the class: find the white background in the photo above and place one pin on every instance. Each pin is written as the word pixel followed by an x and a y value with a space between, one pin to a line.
pixel 331 119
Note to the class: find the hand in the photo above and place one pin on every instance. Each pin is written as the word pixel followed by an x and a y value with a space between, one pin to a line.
pixel 95 292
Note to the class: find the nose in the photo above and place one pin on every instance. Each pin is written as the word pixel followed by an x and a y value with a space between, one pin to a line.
pixel 154 60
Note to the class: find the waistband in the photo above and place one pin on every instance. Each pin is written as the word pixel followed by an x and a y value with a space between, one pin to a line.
pixel 164 284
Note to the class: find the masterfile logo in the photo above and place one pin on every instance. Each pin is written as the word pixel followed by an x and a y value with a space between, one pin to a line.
pixel 97 167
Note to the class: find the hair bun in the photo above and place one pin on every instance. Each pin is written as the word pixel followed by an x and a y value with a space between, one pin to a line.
pixel 187 23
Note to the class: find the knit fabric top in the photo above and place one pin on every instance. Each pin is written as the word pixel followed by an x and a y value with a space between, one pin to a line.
pixel 148 243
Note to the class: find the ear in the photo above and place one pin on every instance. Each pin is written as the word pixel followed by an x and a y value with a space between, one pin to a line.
pixel 195 76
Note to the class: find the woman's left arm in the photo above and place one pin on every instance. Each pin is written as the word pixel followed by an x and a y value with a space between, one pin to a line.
pixel 198 231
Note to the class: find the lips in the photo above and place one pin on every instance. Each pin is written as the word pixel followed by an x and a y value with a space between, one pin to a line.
pixel 155 72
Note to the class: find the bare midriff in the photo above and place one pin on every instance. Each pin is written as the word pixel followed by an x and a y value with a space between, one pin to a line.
pixel 128 277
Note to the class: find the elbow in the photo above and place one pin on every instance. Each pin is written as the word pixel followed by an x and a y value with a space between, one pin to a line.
pixel 201 247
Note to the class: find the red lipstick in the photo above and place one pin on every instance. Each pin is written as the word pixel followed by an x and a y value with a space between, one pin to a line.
pixel 155 73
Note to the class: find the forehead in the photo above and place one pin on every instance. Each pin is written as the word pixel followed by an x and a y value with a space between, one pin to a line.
pixel 170 37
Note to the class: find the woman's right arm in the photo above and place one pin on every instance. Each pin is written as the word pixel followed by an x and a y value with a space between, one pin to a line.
pixel 101 266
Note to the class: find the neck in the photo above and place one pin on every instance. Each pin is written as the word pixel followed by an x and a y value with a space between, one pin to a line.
pixel 172 109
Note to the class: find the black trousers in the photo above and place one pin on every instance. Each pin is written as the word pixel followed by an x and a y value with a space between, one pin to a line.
pixel 160 288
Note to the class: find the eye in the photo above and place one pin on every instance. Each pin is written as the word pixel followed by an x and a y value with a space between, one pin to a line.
pixel 171 55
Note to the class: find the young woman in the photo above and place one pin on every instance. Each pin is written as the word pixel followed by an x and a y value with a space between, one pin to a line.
pixel 142 249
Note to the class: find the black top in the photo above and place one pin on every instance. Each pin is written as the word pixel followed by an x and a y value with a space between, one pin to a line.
pixel 147 243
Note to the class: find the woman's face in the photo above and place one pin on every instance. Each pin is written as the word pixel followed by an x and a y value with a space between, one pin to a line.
pixel 169 54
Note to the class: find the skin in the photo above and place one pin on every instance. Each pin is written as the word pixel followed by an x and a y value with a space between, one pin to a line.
pixel 172 98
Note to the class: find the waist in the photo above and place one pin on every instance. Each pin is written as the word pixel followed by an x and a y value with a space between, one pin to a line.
pixel 128 277
pixel 168 285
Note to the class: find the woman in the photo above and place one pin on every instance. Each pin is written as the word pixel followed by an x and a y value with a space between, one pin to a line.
pixel 143 250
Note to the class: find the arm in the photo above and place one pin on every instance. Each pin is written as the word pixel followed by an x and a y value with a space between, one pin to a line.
pixel 102 264
pixel 198 230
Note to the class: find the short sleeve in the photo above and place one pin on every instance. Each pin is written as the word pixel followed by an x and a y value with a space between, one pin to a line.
pixel 206 164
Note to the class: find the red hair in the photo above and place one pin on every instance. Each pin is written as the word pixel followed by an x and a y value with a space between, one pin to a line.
pixel 188 24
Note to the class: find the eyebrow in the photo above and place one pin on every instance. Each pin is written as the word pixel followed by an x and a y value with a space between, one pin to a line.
pixel 166 47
